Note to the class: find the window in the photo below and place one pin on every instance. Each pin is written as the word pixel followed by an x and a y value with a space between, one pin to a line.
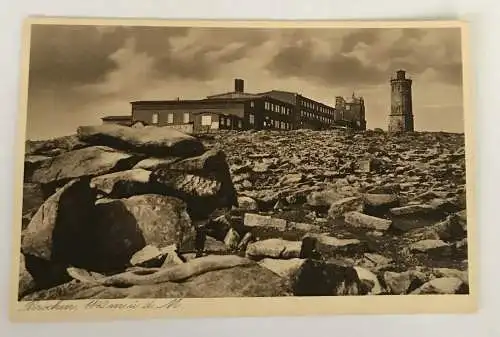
pixel 251 119
pixel 240 124
pixel 186 117
pixel 266 105
pixel 206 120
pixel 155 118
pixel 348 107
pixel 276 124
pixel 228 121
pixel 170 118
pixel 252 104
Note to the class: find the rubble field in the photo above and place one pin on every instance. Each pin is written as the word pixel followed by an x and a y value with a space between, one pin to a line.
pixel 118 212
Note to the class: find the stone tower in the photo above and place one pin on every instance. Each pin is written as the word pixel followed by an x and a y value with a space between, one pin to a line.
pixel 401 116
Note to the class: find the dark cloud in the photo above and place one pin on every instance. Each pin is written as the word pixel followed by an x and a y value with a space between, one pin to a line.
pixel 200 64
pixel 409 51
pixel 299 60
pixel 77 55
pixel 367 36
pixel 67 55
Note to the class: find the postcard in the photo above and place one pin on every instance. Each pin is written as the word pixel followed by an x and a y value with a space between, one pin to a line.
pixel 243 168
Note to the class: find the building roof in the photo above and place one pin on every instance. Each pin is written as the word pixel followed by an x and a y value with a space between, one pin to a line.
pixel 232 94
pixel 196 101
pixel 114 118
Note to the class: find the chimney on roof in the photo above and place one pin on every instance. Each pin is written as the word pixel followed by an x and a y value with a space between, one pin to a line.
pixel 239 85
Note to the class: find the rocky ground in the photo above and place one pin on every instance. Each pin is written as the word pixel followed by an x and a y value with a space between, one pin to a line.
pixel 117 212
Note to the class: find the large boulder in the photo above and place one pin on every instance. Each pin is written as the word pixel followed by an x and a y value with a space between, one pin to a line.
pixel 60 224
pixel 319 278
pixel 31 163
pixel 53 146
pixel 26 281
pixel 33 198
pixel 154 141
pixel 86 162
pixel 123 184
pixel 203 182
pixel 59 231
pixel 126 226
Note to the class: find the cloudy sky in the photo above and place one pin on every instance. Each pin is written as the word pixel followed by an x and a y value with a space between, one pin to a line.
pixel 79 74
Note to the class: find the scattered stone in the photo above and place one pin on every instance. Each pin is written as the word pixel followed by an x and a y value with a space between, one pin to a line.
pixel 284 268
pixel 369 281
pixel 403 283
pixel 256 220
pixel 442 286
pixel 437 247
pixel 149 256
pixel 290 179
pixel 412 210
pixel 247 204
pixel 214 246
pixel 260 168
pixel 449 272
pixel 232 239
pixel 324 198
pixel 274 248
pixel 361 220
pixel 378 204
pixel 318 278
pixel 342 206
pixel 172 258
pixel 304 227
pixel 375 262
pixel 247 238
pixel 331 244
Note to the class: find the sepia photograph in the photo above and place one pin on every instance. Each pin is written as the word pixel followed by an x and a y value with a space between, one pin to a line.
pixel 188 162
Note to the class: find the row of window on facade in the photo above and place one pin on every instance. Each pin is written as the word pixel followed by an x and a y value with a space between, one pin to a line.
pixel 271 123
pixel 320 108
pixel 170 118
pixel 323 119
pixel 282 110
pixel 225 121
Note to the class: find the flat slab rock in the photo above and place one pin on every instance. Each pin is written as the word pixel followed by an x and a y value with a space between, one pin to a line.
pixel 241 281
pixel 89 161
pixel 153 140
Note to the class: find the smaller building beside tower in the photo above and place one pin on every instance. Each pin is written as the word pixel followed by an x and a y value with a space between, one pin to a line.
pixel 401 115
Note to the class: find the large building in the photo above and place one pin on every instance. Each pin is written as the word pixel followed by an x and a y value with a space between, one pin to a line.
pixel 401 116
pixel 240 110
